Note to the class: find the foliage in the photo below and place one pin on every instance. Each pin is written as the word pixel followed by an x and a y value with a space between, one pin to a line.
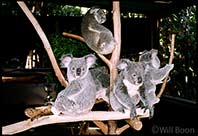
pixel 66 10
pixel 63 45
pixel 183 77
pixel 39 8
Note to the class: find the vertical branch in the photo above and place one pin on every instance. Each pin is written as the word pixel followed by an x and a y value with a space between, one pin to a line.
pixel 112 125
pixel 117 36
pixel 45 42
pixel 172 48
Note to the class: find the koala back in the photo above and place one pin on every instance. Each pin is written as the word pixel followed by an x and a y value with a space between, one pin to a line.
pixel 97 37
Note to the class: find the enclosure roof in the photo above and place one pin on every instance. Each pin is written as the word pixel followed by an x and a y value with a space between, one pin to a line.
pixel 152 7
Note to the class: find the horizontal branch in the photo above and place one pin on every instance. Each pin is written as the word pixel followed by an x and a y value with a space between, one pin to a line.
pixel 53 119
pixel 80 38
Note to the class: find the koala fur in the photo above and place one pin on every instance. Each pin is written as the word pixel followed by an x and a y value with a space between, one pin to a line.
pixel 125 93
pixel 153 76
pixel 97 37
pixel 79 97
pixel 102 81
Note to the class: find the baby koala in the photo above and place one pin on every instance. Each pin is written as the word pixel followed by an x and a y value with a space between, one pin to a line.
pixel 125 93
pixel 79 97
pixel 97 37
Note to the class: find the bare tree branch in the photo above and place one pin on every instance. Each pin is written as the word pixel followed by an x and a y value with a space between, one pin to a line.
pixel 45 43
pixel 53 119
pixel 112 124
pixel 172 48
pixel 73 36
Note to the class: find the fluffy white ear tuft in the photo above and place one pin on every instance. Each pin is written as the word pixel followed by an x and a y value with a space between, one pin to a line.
pixel 90 59
pixel 65 60
pixel 123 64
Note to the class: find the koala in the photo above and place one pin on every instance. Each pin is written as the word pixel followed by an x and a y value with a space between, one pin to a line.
pixel 97 37
pixel 124 94
pixel 102 81
pixel 152 66
pixel 79 97
pixel 153 76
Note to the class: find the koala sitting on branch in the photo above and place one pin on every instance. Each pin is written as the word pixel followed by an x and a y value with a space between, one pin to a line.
pixel 125 95
pixel 79 97
pixel 99 38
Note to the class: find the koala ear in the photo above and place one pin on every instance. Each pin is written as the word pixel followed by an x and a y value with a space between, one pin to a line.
pixel 123 64
pixel 90 59
pixel 143 52
pixel 154 51
pixel 65 60
pixel 93 10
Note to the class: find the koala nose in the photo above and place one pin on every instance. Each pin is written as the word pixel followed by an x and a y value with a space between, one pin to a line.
pixel 139 80
pixel 78 71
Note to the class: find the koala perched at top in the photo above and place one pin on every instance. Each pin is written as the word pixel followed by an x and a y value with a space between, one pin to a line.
pixel 79 97
pixel 97 37
pixel 153 76
pixel 125 93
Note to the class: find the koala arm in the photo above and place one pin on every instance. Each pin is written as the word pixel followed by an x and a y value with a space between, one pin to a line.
pixel 124 99
pixel 97 28
pixel 157 75
pixel 73 90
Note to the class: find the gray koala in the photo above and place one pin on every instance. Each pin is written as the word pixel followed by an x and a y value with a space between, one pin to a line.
pixel 153 76
pixel 102 81
pixel 124 94
pixel 79 97
pixel 97 37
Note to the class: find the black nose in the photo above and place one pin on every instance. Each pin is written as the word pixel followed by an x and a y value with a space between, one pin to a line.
pixel 139 79
pixel 78 71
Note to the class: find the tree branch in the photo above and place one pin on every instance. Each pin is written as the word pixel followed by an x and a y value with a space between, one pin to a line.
pixel 115 56
pixel 102 126
pixel 172 48
pixel 73 36
pixel 53 119
pixel 45 42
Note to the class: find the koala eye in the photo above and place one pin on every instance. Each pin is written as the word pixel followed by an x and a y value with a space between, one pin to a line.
pixel 133 75
pixel 149 56
pixel 83 69
pixel 73 68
